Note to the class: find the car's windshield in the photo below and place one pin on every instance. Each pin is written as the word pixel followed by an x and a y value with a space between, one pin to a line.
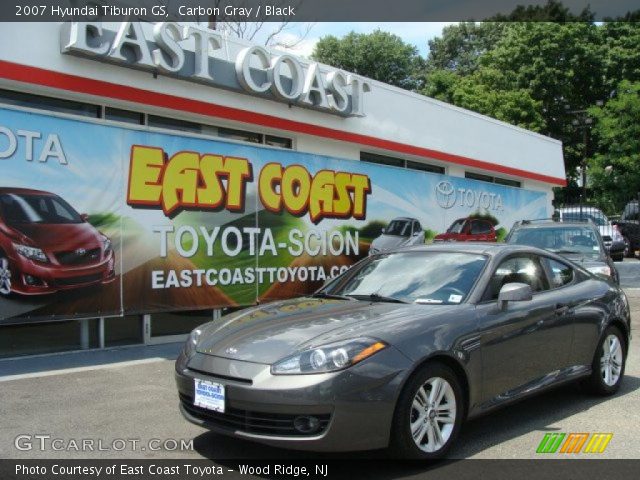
pixel 414 277
pixel 594 215
pixel 21 209
pixel 400 228
pixel 456 227
pixel 565 240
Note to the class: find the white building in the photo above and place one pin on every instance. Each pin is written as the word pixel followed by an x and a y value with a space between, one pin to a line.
pixel 105 74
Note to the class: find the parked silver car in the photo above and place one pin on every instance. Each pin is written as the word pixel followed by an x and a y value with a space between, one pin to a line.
pixel 613 239
pixel 401 232
pixel 403 347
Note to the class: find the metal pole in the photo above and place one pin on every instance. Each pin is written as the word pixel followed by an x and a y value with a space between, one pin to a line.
pixel 584 166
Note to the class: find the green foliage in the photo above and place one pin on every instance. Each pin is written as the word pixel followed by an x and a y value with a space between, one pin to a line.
pixel 485 216
pixel 429 235
pixel 501 234
pixel 460 47
pixel 617 137
pixel 378 55
pixel 105 219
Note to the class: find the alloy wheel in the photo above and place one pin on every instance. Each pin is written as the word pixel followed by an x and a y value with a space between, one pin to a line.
pixel 5 277
pixel 433 414
pixel 611 360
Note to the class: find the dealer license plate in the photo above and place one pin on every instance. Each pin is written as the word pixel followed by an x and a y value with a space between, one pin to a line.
pixel 209 395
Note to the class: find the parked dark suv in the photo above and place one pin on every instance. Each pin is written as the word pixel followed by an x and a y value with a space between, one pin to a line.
pixel 46 246
pixel 629 227
pixel 579 242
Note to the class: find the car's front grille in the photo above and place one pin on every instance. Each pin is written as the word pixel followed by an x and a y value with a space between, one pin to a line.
pixel 68 282
pixel 79 257
pixel 261 423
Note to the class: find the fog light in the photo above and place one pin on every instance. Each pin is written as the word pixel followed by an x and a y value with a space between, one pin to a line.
pixel 33 281
pixel 306 424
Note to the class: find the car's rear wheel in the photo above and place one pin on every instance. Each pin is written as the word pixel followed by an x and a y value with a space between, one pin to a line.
pixel 428 415
pixel 5 275
pixel 608 363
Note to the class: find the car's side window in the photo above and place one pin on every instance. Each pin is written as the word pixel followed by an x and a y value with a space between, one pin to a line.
pixel 479 227
pixel 561 273
pixel 518 269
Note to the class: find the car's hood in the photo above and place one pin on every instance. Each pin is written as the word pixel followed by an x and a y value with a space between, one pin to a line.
pixel 60 237
pixel 388 242
pixel 268 333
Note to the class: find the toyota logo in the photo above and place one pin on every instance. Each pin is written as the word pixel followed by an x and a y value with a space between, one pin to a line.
pixel 445 194
pixel 80 252
pixel 231 351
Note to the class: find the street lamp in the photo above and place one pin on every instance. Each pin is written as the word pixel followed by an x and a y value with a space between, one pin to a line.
pixel 583 121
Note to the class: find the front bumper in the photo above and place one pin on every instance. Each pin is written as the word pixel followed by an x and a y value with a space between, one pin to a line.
pixel 355 406
pixel 50 278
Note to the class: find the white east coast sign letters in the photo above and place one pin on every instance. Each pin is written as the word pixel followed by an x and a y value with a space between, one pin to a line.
pixel 254 70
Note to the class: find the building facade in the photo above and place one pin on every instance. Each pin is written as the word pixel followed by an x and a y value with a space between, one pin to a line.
pixel 84 106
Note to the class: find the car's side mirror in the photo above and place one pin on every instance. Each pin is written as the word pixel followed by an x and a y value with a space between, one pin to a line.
pixel 84 217
pixel 514 292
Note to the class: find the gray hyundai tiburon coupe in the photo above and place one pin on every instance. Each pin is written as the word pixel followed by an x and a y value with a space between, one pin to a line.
pixel 399 350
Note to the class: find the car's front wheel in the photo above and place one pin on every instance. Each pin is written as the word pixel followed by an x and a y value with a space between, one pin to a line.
pixel 608 363
pixel 428 415
pixel 5 276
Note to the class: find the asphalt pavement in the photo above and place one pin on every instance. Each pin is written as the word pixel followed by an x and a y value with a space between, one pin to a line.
pixel 125 401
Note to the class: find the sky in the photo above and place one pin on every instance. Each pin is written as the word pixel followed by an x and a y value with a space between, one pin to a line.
pixel 417 34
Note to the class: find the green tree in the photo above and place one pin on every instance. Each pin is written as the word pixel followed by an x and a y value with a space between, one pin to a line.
pixel 378 55
pixel 616 134
pixel 460 47
pixel 482 93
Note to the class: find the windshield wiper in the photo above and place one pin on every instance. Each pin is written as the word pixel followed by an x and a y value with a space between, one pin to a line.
pixel 374 297
pixel 567 251
pixel 330 295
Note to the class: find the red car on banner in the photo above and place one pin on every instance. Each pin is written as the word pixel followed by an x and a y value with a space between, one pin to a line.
pixel 47 246
pixel 469 229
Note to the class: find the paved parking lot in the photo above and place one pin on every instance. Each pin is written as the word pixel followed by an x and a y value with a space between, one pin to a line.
pixel 136 400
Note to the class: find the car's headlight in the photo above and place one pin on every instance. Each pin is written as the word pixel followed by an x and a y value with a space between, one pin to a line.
pixel 106 243
pixel 328 358
pixel 601 270
pixel 32 253
pixel 192 342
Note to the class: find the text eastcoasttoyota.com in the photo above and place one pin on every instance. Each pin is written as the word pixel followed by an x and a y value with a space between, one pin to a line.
pixel 293 238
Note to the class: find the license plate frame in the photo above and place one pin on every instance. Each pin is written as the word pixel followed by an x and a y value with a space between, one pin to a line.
pixel 209 395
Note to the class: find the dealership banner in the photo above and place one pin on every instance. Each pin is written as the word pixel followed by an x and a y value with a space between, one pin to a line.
pixel 103 220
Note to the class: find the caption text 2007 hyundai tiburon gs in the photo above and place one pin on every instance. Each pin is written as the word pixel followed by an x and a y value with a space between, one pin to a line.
pixel 399 350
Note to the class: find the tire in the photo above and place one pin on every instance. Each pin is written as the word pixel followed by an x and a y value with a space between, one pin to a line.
pixel 5 276
pixel 424 420
pixel 607 369
pixel 618 258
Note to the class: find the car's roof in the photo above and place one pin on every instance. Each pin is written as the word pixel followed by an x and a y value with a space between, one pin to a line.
pixel 577 208
pixel 24 191
pixel 404 218
pixel 486 248
pixel 551 223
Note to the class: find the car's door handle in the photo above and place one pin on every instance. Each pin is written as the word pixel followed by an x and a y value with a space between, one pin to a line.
pixel 561 309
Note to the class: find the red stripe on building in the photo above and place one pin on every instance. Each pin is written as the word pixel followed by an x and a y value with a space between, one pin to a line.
pixel 73 83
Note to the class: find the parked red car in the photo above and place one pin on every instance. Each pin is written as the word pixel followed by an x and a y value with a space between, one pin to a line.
pixel 46 246
pixel 468 230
